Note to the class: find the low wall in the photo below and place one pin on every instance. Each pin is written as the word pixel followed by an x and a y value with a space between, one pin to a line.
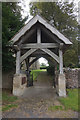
pixel 72 78
pixel 7 80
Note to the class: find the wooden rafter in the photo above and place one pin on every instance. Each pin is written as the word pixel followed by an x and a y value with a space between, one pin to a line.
pixel 23 57
pixel 51 54
pixel 39 19
pixel 34 60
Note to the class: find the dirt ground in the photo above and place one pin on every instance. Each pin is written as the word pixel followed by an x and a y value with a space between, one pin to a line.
pixel 36 100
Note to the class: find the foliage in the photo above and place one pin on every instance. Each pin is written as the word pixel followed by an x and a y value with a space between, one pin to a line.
pixel 72 61
pixel 11 22
pixel 51 69
pixel 43 64
pixel 43 67
pixel 61 16
pixel 36 73
pixel 71 101
pixel 79 40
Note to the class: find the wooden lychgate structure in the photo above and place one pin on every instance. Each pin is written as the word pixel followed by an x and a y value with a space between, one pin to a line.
pixel 40 39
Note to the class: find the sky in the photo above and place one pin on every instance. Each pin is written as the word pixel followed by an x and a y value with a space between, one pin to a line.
pixel 26 12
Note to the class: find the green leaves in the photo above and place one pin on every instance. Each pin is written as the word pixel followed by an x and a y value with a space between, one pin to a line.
pixel 61 15
pixel 11 22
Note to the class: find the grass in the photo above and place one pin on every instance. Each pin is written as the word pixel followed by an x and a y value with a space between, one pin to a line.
pixel 8 107
pixel 71 101
pixel 36 73
pixel 6 97
pixel 53 108
pixel 8 101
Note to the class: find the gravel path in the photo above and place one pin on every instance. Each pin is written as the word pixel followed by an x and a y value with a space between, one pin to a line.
pixel 37 99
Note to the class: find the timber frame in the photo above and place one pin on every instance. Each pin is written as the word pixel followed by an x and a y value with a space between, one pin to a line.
pixel 38 38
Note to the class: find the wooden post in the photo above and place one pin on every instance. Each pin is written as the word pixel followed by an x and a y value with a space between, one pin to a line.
pixel 18 62
pixel 28 72
pixel 38 35
pixel 60 61
pixel 61 77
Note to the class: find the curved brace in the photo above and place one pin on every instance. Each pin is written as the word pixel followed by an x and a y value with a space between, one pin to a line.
pixel 51 54
pixel 27 54
pixel 45 50
pixel 34 60
pixel 38 58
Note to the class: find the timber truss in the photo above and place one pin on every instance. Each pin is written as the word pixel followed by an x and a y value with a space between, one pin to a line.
pixel 36 39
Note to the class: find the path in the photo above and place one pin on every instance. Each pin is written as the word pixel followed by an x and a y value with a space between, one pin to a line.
pixel 37 99
pixel 42 87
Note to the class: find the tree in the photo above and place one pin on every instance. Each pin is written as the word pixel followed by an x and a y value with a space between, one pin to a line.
pixel 11 22
pixel 43 64
pixel 61 16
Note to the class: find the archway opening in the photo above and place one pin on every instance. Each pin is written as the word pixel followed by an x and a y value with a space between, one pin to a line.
pixel 42 72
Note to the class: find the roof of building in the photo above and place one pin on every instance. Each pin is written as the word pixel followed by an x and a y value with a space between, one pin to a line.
pixel 48 26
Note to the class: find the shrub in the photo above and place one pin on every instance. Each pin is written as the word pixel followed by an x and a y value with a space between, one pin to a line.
pixel 43 67
pixel 51 70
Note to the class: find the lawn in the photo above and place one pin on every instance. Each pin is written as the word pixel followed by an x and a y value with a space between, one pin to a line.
pixel 8 101
pixel 69 102
pixel 7 97
pixel 36 73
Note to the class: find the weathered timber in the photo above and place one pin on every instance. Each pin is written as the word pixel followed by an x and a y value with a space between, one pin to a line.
pixel 27 54
pixel 38 35
pixel 60 61
pixel 39 19
pixel 28 71
pixel 46 57
pixel 39 45
pixel 51 54
pixel 18 62
pixel 34 60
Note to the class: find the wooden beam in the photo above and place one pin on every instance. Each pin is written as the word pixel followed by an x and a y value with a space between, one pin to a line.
pixel 18 62
pixel 61 45
pixel 27 63
pixel 28 73
pixel 51 54
pixel 16 47
pixel 60 61
pixel 38 35
pixel 40 45
pixel 46 57
pixel 27 54
pixel 34 60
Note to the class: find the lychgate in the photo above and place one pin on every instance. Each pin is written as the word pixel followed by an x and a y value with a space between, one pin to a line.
pixel 38 39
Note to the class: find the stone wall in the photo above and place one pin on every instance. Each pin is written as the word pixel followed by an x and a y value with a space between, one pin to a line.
pixel 72 77
pixel 19 84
